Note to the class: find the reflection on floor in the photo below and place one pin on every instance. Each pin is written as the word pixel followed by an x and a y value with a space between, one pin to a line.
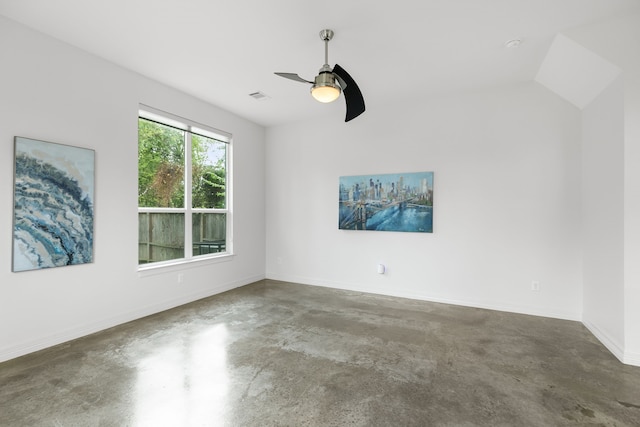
pixel 282 354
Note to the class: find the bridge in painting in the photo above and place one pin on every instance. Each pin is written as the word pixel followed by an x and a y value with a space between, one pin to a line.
pixel 361 210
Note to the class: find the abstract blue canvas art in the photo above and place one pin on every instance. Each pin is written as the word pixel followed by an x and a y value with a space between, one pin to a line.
pixel 53 205
pixel 388 202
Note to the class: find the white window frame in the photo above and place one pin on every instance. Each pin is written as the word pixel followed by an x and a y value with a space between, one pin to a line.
pixel 189 126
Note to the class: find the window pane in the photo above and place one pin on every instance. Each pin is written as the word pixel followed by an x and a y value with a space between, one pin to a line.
pixel 160 165
pixel 208 172
pixel 209 233
pixel 166 146
pixel 160 237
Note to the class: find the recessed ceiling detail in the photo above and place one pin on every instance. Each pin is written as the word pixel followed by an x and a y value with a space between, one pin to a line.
pixel 574 72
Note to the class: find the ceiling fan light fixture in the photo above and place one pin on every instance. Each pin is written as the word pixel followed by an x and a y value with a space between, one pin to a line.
pixel 325 94
pixel 325 88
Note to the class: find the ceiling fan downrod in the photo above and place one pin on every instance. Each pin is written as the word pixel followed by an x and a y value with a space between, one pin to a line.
pixel 326 36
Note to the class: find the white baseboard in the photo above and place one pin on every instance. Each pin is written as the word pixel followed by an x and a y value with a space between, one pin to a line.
pixel 631 359
pixel 612 345
pixel 424 297
pixel 31 346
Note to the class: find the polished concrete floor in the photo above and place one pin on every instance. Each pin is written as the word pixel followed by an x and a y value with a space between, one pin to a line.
pixel 280 354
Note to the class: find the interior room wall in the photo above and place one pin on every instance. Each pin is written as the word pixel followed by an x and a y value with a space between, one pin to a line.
pixel 617 41
pixel 53 92
pixel 603 216
pixel 507 208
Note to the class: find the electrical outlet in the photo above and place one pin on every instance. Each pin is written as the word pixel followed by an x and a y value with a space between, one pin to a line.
pixel 180 277
pixel 535 286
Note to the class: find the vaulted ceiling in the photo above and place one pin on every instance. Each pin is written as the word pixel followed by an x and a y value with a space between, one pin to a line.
pixel 221 51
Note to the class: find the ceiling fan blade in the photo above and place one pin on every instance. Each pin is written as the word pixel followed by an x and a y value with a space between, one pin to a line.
pixel 293 76
pixel 352 94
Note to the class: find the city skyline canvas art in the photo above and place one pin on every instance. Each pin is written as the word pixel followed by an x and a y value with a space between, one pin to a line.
pixel 53 205
pixel 388 202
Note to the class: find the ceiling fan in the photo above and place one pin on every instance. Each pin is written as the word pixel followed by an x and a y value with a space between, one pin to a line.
pixel 328 83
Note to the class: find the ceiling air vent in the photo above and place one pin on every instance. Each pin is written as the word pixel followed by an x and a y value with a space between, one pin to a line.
pixel 259 96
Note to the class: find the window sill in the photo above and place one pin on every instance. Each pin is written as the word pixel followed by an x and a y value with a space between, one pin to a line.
pixel 179 265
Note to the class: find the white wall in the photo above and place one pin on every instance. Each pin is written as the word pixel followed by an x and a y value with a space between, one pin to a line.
pixel 506 209
pixel 617 41
pixel 53 92
pixel 603 216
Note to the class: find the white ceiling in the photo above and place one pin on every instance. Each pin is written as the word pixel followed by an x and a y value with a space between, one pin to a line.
pixel 222 50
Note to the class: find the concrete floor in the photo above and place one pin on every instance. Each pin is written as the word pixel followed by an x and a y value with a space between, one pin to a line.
pixel 280 354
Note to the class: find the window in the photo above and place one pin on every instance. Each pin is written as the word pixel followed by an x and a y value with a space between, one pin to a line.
pixel 183 189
